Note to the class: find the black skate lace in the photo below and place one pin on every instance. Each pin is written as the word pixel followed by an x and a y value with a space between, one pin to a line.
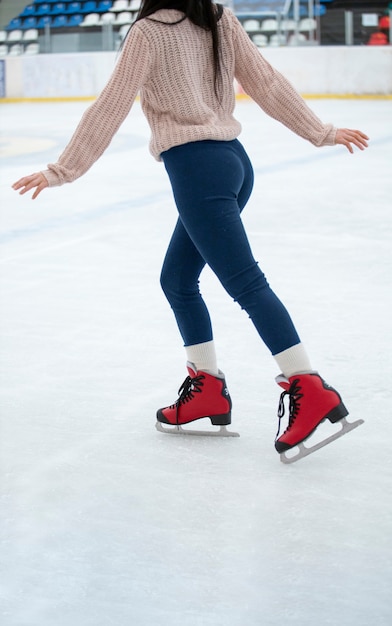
pixel 294 404
pixel 186 392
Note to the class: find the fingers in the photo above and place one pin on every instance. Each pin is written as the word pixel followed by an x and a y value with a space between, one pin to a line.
pixel 27 183
pixel 349 138
pixel 39 188
pixel 35 181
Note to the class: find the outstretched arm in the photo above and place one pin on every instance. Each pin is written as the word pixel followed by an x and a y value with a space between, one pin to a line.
pixel 280 100
pixel 100 121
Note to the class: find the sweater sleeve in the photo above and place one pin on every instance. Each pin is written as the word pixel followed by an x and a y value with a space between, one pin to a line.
pixel 274 93
pixel 103 118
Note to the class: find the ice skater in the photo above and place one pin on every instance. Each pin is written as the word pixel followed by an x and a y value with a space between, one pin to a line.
pixel 183 56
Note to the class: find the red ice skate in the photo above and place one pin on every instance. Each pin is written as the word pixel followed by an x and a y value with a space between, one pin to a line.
pixel 200 395
pixel 311 402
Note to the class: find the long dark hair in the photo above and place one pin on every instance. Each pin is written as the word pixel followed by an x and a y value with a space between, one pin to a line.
pixel 203 13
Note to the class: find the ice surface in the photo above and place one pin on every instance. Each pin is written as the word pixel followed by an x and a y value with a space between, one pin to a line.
pixel 105 521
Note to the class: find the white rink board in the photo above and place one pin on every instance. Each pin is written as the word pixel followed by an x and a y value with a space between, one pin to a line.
pixel 360 70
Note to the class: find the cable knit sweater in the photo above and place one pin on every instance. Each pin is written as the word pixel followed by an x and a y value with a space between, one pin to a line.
pixel 171 66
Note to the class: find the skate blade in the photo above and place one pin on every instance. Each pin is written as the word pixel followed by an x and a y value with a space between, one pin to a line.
pixel 305 451
pixel 180 430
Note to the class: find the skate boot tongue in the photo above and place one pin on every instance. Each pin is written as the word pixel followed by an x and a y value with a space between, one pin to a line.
pixel 191 367
pixel 283 382
pixel 286 383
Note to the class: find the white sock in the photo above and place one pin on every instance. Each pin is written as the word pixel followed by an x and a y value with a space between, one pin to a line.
pixel 294 360
pixel 203 356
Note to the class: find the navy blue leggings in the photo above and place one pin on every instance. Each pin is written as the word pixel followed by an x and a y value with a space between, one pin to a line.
pixel 212 181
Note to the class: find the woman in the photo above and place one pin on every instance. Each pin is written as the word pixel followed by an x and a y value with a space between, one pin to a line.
pixel 183 55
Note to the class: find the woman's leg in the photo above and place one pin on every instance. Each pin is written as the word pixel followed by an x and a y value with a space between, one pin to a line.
pixel 180 282
pixel 211 182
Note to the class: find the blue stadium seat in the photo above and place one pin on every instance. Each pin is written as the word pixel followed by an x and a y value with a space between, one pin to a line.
pixel 89 7
pixel 27 11
pixel 60 21
pixel 43 21
pixel 75 20
pixel 58 8
pixel 73 7
pixel 14 24
pixel 104 6
pixel 43 9
pixel 29 22
pixel 320 10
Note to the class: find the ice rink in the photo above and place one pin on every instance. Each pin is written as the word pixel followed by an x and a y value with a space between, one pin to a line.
pixel 105 521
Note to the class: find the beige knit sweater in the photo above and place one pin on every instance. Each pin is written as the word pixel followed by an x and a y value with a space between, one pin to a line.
pixel 171 66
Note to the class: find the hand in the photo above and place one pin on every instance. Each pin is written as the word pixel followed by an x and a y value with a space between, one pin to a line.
pixel 346 137
pixel 27 183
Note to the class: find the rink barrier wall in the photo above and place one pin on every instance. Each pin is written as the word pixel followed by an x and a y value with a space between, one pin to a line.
pixel 317 71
